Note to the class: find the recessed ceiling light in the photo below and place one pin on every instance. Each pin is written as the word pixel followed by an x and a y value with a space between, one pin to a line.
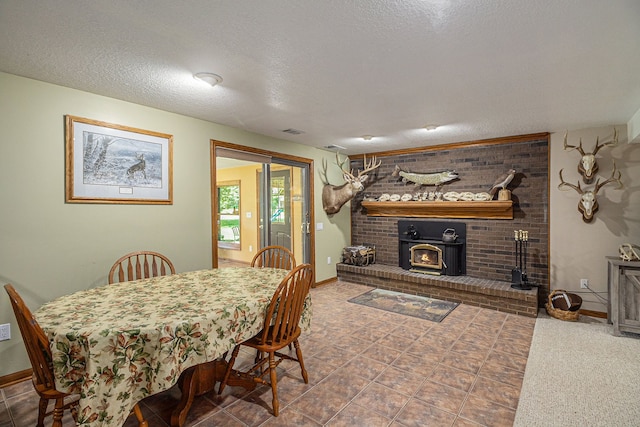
pixel 367 137
pixel 431 127
pixel 209 78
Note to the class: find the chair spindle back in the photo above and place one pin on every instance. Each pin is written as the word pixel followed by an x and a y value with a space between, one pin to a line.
pixel 283 314
pixel 275 257
pixel 140 265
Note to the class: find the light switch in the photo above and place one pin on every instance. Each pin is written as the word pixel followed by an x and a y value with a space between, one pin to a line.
pixel 319 226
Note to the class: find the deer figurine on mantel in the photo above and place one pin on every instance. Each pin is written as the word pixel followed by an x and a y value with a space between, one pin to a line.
pixel 333 197
pixel 588 204
pixel 588 165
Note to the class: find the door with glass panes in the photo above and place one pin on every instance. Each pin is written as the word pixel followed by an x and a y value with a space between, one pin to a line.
pixel 273 205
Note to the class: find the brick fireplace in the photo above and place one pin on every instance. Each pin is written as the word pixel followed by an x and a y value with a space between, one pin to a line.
pixel 430 267
pixel 488 242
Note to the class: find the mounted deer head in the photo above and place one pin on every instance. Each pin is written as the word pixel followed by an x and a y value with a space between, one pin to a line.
pixel 588 165
pixel 588 204
pixel 333 197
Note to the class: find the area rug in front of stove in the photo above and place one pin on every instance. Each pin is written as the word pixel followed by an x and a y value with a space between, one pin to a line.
pixel 410 305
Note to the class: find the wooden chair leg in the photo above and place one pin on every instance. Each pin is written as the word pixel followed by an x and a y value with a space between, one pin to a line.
pixel 301 361
pixel 274 383
pixel 234 354
pixel 138 413
pixel 42 411
pixel 58 412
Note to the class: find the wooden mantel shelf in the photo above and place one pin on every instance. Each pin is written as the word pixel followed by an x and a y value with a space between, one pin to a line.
pixel 494 209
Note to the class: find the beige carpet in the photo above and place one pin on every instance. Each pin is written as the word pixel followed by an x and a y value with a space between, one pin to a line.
pixel 579 374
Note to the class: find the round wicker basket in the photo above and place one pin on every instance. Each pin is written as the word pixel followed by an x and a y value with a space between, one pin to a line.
pixel 563 305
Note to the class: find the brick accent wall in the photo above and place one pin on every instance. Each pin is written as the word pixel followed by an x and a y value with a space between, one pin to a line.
pixel 490 243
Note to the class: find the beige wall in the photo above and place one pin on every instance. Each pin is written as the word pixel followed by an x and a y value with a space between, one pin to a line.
pixel 578 250
pixel 49 248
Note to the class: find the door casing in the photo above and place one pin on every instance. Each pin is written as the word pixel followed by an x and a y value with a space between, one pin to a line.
pixel 308 231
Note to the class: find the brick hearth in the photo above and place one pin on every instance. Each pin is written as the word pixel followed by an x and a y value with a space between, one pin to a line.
pixel 485 293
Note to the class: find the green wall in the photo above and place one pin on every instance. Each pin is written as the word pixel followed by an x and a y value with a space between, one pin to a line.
pixel 49 248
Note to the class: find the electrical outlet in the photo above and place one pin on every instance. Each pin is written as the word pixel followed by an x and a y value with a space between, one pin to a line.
pixel 250 248
pixel 584 283
pixel 5 332
pixel 329 260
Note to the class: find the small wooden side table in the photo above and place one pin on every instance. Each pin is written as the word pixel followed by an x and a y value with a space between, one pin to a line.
pixel 623 310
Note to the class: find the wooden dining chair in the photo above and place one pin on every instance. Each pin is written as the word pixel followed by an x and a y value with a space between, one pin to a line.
pixel 37 345
pixel 274 256
pixel 281 327
pixel 39 352
pixel 140 265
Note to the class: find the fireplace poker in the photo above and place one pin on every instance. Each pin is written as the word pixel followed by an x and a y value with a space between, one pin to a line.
pixel 516 273
pixel 521 240
pixel 516 251
pixel 526 245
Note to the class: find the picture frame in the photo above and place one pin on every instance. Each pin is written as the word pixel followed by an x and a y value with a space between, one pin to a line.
pixel 110 163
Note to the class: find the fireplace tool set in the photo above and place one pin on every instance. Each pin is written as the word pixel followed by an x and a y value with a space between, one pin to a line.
pixel 519 278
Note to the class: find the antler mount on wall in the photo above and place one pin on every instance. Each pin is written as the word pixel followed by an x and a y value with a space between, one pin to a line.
pixel 588 164
pixel 588 167
pixel 334 196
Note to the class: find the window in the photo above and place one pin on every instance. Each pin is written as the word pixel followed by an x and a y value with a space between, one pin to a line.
pixel 229 214
pixel 278 208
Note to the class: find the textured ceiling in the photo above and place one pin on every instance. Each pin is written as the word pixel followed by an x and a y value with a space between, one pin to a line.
pixel 337 70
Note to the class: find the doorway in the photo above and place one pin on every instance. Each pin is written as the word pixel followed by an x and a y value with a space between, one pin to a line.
pixel 273 205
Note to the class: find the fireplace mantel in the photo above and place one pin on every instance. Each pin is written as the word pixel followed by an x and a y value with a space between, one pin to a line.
pixel 494 209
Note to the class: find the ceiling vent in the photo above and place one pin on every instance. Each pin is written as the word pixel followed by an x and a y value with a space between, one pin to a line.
pixel 334 147
pixel 293 131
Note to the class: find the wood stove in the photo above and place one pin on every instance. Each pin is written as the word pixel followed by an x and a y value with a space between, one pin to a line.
pixel 421 247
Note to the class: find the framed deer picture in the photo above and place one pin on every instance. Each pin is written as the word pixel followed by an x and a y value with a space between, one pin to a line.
pixel 109 163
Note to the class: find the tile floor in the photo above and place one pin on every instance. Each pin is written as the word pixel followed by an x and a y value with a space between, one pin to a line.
pixel 366 367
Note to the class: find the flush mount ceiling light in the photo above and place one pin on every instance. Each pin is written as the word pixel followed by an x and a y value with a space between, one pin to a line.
pixel 431 127
pixel 209 78
pixel 367 137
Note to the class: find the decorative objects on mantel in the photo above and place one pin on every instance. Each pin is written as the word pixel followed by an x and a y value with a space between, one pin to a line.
pixel 466 196
pixel 436 204
pixel 492 209
pixel 501 183
pixel 420 179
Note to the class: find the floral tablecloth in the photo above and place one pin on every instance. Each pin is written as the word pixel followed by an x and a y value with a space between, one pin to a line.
pixel 116 344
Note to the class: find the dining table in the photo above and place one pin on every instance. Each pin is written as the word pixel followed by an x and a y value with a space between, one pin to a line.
pixel 116 344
